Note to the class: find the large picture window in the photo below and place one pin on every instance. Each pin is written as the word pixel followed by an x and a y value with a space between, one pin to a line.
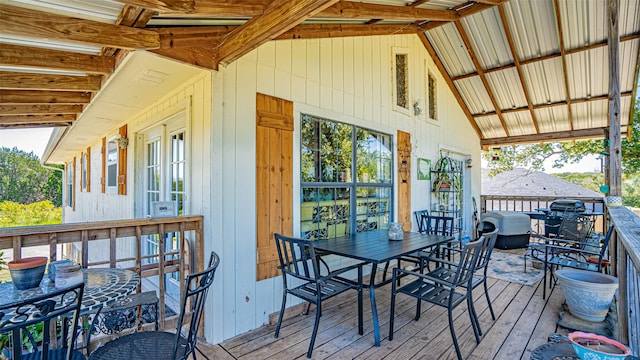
pixel 346 179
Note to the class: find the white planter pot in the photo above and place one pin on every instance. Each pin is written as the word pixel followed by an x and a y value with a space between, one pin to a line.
pixel 588 293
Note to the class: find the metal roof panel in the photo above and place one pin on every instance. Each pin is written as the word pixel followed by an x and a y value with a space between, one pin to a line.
pixel 519 123
pixel 451 50
pixel 474 95
pixel 545 81
pixel 586 75
pixel 487 38
pixel 552 119
pixel 99 10
pixel 533 28
pixel 583 22
pixel 592 114
pixel 507 88
pixel 490 126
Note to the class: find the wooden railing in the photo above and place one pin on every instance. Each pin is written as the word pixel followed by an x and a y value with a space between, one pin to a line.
pixel 626 266
pixel 624 253
pixel 525 203
pixel 119 243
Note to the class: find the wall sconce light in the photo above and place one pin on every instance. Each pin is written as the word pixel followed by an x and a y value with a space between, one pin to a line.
pixel 123 142
pixel 417 108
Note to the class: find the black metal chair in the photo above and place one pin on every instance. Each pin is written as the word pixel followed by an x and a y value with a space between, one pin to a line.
pixel 480 272
pixel 421 217
pixel 573 254
pixel 441 292
pixel 298 260
pixel 43 313
pixel 161 344
pixel 130 312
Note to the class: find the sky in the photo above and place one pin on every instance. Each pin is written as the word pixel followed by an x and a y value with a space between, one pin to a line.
pixel 36 140
pixel 28 140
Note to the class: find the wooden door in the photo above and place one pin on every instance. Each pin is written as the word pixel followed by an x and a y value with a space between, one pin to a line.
pixel 274 174
pixel 404 179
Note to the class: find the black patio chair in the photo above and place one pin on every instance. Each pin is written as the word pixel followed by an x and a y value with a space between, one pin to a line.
pixel 43 314
pixel 298 260
pixel 441 292
pixel 421 220
pixel 578 255
pixel 480 271
pixel 162 344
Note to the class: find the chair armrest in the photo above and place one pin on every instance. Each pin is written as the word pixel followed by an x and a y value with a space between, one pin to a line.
pixel 566 249
pixel 335 273
pixel 397 271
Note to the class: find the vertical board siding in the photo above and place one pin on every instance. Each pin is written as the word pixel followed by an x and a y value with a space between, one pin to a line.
pixel 345 79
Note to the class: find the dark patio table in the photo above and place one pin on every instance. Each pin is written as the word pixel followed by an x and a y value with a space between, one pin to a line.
pixel 375 247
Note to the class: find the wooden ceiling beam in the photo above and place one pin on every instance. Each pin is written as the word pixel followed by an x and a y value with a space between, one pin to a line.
pixel 32 57
pixel 12 109
pixel 37 125
pixel 483 78
pixel 279 16
pixel 359 10
pixel 319 31
pixel 35 119
pixel 193 36
pixel 132 16
pixel 202 56
pixel 545 137
pixel 567 88
pixel 23 80
pixel 163 5
pixel 27 22
pixel 43 97
pixel 547 57
pixel 514 55
pixel 447 79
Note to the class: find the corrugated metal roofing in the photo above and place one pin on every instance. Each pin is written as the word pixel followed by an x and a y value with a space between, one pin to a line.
pixel 487 38
pixel 490 126
pixel 98 10
pixel 542 91
pixel 475 95
pixel 507 89
pixel 532 28
pixel 451 51
pixel 553 119
pixel 519 123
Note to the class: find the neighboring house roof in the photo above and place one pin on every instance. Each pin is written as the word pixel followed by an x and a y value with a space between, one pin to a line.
pixel 523 182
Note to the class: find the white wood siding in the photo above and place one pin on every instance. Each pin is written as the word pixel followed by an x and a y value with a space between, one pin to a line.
pixel 348 80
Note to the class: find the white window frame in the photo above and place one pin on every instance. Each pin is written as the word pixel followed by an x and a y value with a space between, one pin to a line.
pixel 394 84
pixel 112 164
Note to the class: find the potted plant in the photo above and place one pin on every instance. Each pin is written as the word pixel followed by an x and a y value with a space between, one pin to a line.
pixel 27 273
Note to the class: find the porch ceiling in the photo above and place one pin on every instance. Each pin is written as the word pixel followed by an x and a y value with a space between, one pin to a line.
pixel 523 71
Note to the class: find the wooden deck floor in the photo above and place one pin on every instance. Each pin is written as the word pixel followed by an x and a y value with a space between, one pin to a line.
pixel 524 321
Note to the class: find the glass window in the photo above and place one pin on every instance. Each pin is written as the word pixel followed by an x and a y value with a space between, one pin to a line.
pixel 112 164
pixel 84 171
pixel 433 110
pixel 334 202
pixel 402 80
pixel 70 170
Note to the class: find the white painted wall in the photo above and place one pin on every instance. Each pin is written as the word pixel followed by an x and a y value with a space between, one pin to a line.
pixel 348 80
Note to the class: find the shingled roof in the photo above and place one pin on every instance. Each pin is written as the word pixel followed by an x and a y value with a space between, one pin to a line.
pixel 523 182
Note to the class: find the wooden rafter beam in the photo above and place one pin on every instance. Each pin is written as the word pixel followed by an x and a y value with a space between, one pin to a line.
pixel 36 119
pixel 545 137
pixel 27 22
pixel 483 78
pixel 43 97
pixel 452 87
pixel 563 56
pixel 10 109
pixel 32 57
pixel 22 80
pixel 202 56
pixel 279 16
pixel 37 125
pixel 359 10
pixel 132 16
pixel 547 57
pixel 514 55
pixel 163 5
pixel 318 31
pixel 193 36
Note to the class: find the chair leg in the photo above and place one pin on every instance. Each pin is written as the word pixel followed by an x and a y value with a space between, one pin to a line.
pixel 315 329
pixel 473 316
pixel 418 309
pixel 486 294
pixel 393 309
pixel 544 286
pixel 453 333
pixel 306 312
pixel 384 272
pixel 284 302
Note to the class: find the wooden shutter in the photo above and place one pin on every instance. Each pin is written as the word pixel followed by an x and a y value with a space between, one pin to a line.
pixel 122 163
pixel 103 179
pixel 404 179
pixel 88 169
pixel 274 175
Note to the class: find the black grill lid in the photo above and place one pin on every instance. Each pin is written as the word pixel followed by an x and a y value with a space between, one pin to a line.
pixel 567 204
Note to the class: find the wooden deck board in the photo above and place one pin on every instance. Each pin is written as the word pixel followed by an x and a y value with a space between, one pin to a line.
pixel 524 321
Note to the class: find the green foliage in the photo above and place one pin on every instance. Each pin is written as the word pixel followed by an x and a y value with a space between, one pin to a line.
pixel 24 180
pixel 38 213
pixel 591 181
pixel 532 156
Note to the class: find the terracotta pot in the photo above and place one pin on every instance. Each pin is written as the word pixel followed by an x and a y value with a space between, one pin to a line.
pixel 28 272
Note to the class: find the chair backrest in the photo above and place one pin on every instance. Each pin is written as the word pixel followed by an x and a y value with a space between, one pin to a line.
pixel 295 255
pixel 575 227
pixel 421 220
pixel 487 247
pixel 440 225
pixel 195 293
pixel 37 314
pixel 605 244
pixel 469 257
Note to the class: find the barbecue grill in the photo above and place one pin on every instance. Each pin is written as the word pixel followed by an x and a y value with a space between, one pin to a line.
pixel 557 209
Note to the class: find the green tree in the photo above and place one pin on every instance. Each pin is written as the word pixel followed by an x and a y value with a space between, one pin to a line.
pixel 24 180
pixel 532 156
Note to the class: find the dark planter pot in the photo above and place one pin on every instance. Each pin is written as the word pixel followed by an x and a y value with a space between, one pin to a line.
pixel 28 272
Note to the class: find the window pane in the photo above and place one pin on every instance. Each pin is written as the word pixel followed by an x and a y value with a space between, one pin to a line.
pixel 402 81
pixel 324 212
pixel 372 208
pixel 373 157
pixel 325 150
